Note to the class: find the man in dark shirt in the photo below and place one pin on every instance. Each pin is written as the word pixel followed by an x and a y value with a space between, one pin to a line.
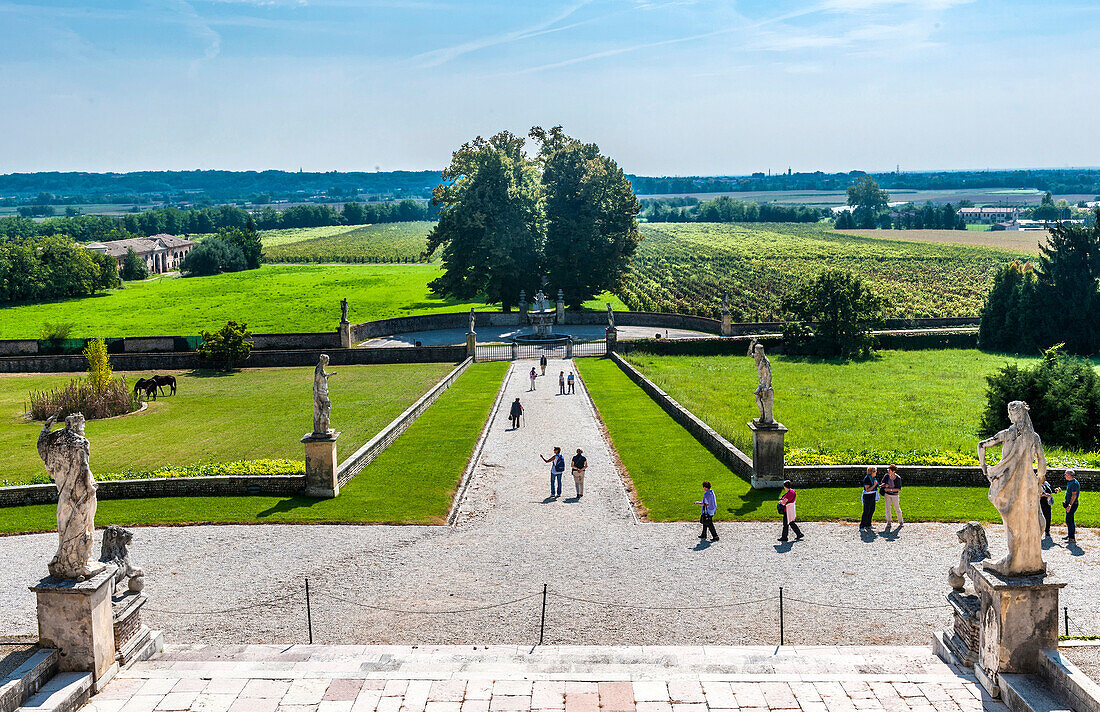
pixel 870 498
pixel 580 464
pixel 557 469
pixel 515 413
pixel 1073 498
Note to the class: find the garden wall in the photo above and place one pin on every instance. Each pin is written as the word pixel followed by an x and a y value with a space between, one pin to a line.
pixel 739 345
pixel 222 485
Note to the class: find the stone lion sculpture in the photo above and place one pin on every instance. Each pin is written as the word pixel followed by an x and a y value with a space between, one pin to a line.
pixel 116 542
pixel 975 548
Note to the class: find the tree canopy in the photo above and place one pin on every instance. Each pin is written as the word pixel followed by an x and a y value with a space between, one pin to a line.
pixel 866 200
pixel 831 315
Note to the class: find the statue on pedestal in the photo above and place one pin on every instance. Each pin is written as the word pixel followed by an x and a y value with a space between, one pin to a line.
pixel 1014 490
pixel 725 303
pixel 65 453
pixel 610 317
pixel 344 310
pixel 471 331
pixel 322 406
pixel 975 548
pixel 764 392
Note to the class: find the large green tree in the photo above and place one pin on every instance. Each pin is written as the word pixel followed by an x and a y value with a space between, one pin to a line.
pixel 591 216
pixel 866 200
pixel 491 222
pixel 831 315
pixel 1069 280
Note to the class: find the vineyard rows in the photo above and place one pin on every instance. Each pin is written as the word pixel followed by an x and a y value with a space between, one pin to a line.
pixel 684 268
pixel 383 243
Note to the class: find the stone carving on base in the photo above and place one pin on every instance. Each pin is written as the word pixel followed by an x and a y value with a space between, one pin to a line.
pixel 344 310
pixel 471 331
pixel 725 302
pixel 975 548
pixel 322 406
pixel 764 392
pixel 65 453
pixel 115 550
pixel 1014 490
pixel 610 317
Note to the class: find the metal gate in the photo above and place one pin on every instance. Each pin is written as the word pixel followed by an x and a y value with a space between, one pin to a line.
pixel 514 351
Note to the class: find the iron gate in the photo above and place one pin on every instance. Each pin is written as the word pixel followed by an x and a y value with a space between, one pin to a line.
pixel 514 351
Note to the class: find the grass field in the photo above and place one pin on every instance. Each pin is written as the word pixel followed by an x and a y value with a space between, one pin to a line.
pixel 1024 242
pixel 412 482
pixel 387 242
pixel 275 238
pixel 685 267
pixel 666 466
pixel 908 407
pixel 250 414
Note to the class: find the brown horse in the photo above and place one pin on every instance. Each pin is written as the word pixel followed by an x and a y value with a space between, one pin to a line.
pixel 163 381
pixel 148 385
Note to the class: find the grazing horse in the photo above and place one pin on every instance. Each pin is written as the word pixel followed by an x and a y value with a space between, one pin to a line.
pixel 148 385
pixel 163 381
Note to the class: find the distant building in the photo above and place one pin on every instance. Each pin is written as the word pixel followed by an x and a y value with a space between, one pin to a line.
pixel 988 216
pixel 162 253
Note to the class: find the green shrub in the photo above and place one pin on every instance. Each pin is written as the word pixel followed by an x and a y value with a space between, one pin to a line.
pixel 133 267
pixel 99 365
pixel 831 316
pixel 213 255
pixel 247 468
pixel 55 334
pixel 227 346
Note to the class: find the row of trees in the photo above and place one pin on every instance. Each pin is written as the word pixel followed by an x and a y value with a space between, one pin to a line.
pixel 506 219
pixel 51 268
pixel 231 250
pixel 725 209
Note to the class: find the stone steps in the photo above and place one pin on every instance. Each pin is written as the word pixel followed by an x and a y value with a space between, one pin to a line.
pixel 67 691
pixel 17 687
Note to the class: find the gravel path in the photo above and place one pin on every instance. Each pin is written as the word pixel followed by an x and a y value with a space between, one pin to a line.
pixel 244 584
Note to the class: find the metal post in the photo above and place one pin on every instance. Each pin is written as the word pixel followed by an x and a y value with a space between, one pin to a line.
pixel 309 614
pixel 781 615
pixel 1065 611
pixel 542 623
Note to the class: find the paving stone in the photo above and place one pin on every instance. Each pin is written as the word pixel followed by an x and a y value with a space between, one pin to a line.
pixel 265 689
pixel 548 695
pixel 255 704
pixel 191 684
pixel 685 691
pixel 509 703
pixel 343 690
pixel 447 691
pixel 576 686
pixel 582 701
pixel 335 706
pixel 479 689
pixel 395 688
pixel 367 700
pixel 512 687
pixel 305 691
pixel 748 694
pixel 475 705
pixel 648 706
pixel 778 696
pixel 157 686
pixel 616 696
pixel 651 691
pixel 297 708
pixel 689 707
pixel 177 701
pixel 442 706
pixel 225 686
pixel 389 704
pixel 206 702
pixel 142 703
pixel 101 705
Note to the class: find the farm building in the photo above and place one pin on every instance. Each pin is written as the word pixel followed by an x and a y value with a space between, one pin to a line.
pixel 988 216
pixel 162 253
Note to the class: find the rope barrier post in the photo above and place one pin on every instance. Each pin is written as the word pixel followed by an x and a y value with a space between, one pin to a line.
pixel 781 615
pixel 309 614
pixel 1065 611
pixel 542 623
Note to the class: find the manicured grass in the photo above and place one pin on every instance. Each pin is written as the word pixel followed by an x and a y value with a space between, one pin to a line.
pixel 249 414
pixel 386 242
pixel 910 407
pixel 667 465
pixel 412 482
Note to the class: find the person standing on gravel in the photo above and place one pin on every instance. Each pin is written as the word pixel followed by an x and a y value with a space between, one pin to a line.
pixel 1046 499
pixel 516 413
pixel 542 364
pixel 869 498
pixel 891 490
pixel 1073 497
pixel 580 464
pixel 557 469
pixel 561 383
pixel 572 383
pixel 786 504
pixel 706 516
pixel 532 377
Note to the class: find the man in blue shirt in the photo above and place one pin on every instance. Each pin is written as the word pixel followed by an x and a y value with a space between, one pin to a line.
pixel 557 469
pixel 706 516
pixel 869 498
pixel 1073 498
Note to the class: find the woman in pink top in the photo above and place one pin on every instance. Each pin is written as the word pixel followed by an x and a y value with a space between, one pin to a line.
pixel 786 505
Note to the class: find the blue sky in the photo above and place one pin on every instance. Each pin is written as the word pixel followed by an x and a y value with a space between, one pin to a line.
pixel 664 86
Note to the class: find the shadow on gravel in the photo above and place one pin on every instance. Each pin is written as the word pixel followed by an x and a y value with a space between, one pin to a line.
pixel 868 535
pixel 702 545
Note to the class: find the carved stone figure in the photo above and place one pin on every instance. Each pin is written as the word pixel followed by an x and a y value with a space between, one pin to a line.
pixel 764 392
pixel 344 310
pixel 542 302
pixel 471 321
pixel 975 548
pixel 115 550
pixel 322 406
pixel 725 302
pixel 65 453
pixel 1014 491
pixel 610 317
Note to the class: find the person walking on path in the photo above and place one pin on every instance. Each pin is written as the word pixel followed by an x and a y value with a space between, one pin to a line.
pixel 1046 501
pixel 532 377
pixel 580 464
pixel 706 516
pixel 572 385
pixel 561 383
pixel 1073 498
pixel 869 498
pixel 891 489
pixel 516 412
pixel 557 469
pixel 786 505
pixel 542 364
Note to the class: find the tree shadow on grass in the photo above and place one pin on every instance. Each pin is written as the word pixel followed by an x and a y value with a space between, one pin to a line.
pixel 289 504
pixel 753 500
pixel 210 373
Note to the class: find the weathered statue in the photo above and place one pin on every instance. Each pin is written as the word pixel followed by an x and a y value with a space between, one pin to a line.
pixel 1014 491
pixel 725 302
pixel 610 317
pixel 472 321
pixel 65 453
pixel 322 406
pixel 115 550
pixel 344 310
pixel 541 302
pixel 764 393
pixel 976 548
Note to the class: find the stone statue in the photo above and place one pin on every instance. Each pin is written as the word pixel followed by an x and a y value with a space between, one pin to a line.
pixel 472 321
pixel 541 302
pixel 115 550
pixel 610 317
pixel 561 295
pixel 344 310
pixel 65 453
pixel 725 302
pixel 975 548
pixel 764 392
pixel 1014 491
pixel 322 406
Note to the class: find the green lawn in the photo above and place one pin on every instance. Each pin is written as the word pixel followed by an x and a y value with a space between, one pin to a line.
pixel 250 414
pixel 385 242
pixel 412 482
pixel 666 465
pixel 909 407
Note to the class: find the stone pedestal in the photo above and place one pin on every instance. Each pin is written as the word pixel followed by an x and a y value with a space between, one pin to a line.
pixel 1017 620
pixel 561 311
pixel 767 454
pixel 569 348
pixel 345 334
pixel 134 641
pixel 612 339
pixel 471 343
pixel 962 639
pixel 76 618
pixel 727 325
pixel 321 478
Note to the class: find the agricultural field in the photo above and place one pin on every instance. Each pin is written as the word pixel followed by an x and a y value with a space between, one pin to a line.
pixel 907 407
pixel 685 267
pixel 384 243
pixel 217 418
pixel 1024 242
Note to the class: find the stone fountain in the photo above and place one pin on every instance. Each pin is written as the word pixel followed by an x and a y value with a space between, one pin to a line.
pixel 542 317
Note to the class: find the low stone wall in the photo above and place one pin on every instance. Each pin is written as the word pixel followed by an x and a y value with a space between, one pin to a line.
pixel 150 344
pixel 1071 684
pixel 222 485
pixel 723 449
pixel 827 475
pixel 288 342
pixel 363 456
pixel 18 347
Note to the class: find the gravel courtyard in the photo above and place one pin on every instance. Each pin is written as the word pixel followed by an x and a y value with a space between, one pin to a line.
pixel 643 584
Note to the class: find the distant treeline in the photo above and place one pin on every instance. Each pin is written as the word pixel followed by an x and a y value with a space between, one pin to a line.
pixel 724 209
pixel 905 217
pixel 173 221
